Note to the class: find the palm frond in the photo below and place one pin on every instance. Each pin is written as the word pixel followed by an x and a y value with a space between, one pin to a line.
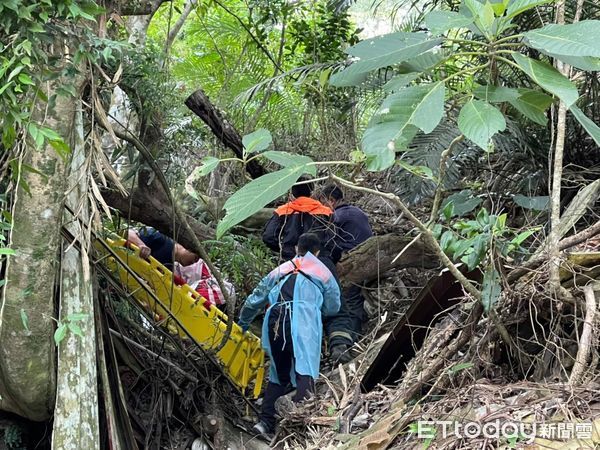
pixel 297 75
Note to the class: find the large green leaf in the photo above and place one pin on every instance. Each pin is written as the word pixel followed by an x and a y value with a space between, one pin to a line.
pixel 535 203
pixel 429 110
pixel 548 78
pixel 422 62
pixel 490 289
pixel 395 124
pixel 385 51
pixel 342 79
pixel 516 7
pixel 533 105
pixel 286 159
pixel 439 21
pixel 576 39
pixel 385 42
pixel 482 14
pixel 479 121
pixel 209 163
pixel 381 141
pixel 588 63
pixel 496 94
pixel 257 194
pixel 463 202
pixel 257 141
pixel 400 81
pixel 587 123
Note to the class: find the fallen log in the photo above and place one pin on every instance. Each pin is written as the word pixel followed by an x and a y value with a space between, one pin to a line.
pixel 144 207
pixel 200 104
pixel 375 257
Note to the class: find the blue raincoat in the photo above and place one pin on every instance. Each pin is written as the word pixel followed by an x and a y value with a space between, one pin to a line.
pixel 312 297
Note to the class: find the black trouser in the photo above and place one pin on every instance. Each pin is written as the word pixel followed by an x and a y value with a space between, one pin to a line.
pixel 346 326
pixel 282 355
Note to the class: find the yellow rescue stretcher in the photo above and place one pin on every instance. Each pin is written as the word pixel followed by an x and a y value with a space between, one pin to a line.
pixel 242 357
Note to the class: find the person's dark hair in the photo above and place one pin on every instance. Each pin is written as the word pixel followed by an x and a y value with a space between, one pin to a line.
pixel 332 191
pixel 302 190
pixel 308 242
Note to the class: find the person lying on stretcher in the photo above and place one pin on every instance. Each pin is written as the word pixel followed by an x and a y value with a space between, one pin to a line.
pixel 184 263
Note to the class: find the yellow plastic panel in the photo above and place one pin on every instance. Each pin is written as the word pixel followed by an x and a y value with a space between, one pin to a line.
pixel 242 357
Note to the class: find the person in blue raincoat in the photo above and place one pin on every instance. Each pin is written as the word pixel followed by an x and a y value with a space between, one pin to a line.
pixel 299 292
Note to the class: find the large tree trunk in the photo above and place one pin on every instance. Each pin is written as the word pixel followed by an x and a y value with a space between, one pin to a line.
pixel 27 357
pixel 76 411
pixel 201 105
pixel 378 255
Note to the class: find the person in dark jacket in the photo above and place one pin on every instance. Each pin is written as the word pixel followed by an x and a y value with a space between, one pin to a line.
pixel 301 215
pixel 350 228
pixel 162 248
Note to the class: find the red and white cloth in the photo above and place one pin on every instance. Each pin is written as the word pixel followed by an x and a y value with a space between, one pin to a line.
pixel 199 278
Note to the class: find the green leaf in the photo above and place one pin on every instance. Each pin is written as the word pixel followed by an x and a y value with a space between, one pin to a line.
pixel 479 121
pixel 536 203
pixel 257 194
pixel 400 81
pixel 496 94
pixel 576 39
pixel 533 105
pixel 459 367
pixel 500 224
pixel 482 14
pixel 448 211
pixel 548 78
pixel 28 168
pixel 422 62
pixel 587 63
pixel 462 247
pixel 14 73
pixel 77 316
pixel 395 124
pixel 342 79
pixel 50 134
pixel 516 7
pixel 430 109
pixel 490 289
pixel 209 163
pixel 257 141
pixel 75 329
pixel 474 6
pixel 7 251
pixel 463 201
pixel 487 17
pixel 471 260
pixel 587 123
pixel 62 148
pixel 385 51
pixel 24 319
pixel 25 79
pixel 36 28
pixel 500 7
pixel 286 159
pixel 381 141
pixel 60 333
pixel 439 21
pixel 446 239
pixel 420 171
pixel 521 237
